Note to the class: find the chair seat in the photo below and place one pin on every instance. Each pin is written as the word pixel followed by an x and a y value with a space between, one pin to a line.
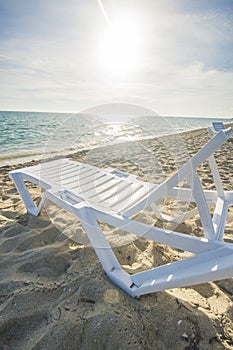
pixel 103 189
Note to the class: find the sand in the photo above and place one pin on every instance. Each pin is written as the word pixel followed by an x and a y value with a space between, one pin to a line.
pixel 54 293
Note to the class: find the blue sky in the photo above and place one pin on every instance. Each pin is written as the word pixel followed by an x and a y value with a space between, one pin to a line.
pixel 172 56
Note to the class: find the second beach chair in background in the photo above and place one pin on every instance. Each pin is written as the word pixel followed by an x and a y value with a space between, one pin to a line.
pixel 216 127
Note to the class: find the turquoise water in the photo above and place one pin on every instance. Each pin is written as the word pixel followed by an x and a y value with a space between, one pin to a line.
pixel 28 134
pixel 25 135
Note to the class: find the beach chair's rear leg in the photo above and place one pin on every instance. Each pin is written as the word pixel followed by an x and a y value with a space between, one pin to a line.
pixel 89 221
pixel 216 175
pixel 98 240
pixel 220 213
pixel 219 218
pixel 25 195
pixel 104 251
pixel 202 206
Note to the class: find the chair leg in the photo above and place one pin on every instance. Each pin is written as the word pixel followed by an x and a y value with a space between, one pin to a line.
pixel 104 251
pixel 219 218
pixel 25 195
pixel 98 240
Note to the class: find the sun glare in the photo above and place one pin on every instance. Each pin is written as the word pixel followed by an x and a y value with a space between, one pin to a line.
pixel 120 48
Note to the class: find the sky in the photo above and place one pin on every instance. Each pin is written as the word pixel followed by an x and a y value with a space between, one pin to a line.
pixel 174 57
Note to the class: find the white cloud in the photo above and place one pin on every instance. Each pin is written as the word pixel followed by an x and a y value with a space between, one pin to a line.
pixel 183 71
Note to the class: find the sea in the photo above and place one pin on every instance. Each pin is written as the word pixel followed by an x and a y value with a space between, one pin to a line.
pixel 30 135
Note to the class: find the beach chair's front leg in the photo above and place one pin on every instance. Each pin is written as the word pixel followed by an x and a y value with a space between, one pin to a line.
pixel 25 195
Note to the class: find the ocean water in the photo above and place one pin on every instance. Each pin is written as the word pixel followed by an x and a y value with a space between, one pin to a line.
pixel 31 135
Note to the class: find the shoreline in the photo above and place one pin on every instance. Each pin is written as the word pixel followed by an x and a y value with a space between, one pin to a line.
pixel 28 156
pixel 53 290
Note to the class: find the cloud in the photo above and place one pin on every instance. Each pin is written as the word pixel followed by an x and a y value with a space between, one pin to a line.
pixel 50 58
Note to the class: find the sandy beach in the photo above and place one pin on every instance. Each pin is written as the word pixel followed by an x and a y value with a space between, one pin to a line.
pixel 54 293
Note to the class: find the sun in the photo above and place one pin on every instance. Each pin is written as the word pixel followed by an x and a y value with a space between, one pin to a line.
pixel 120 47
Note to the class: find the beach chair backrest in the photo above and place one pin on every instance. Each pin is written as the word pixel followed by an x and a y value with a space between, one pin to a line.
pixel 217 126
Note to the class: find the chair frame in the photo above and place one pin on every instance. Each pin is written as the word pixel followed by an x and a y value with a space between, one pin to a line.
pixel 213 259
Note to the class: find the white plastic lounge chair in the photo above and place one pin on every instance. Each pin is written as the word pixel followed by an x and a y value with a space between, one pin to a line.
pixel 216 127
pixel 114 197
